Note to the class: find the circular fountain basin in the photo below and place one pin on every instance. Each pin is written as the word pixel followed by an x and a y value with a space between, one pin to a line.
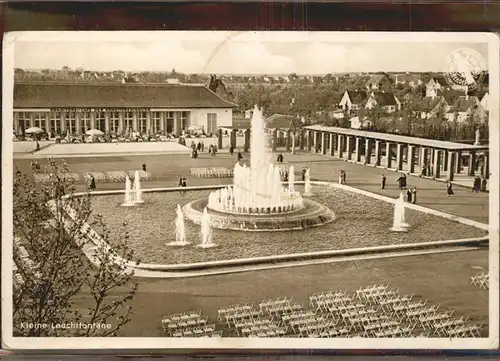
pixel 313 214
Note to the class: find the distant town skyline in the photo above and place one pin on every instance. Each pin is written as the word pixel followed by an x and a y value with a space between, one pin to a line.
pixel 246 56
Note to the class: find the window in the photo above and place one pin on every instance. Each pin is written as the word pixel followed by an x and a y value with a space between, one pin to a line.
pixel 128 119
pixel 211 123
pixel 24 120
pixel 85 122
pixel 114 122
pixel 141 120
pixel 55 123
pixel 156 121
pixel 100 121
pixel 71 122
pixel 170 122
pixel 184 120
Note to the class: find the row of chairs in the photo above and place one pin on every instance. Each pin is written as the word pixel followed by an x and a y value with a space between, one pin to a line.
pixel 116 176
pixel 189 324
pixel 482 280
pixel 45 178
pixel 212 172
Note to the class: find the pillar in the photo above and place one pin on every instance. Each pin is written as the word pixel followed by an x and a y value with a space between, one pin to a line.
pixel 472 163
pixel 437 163
pixel 446 161
pixel 219 136
pixel 450 171
pixel 246 146
pixel 358 149
pixel 121 127
pixel 176 124
pixel 274 140
pixel 486 167
pixel 458 163
pixel 378 153
pixel 78 122
pixel 424 153
pixel 399 156
pixel 309 139
pixel 106 122
pixel 410 159
pixel 134 122
pixel 301 139
pixel 233 138
pixel 340 146
pixel 162 122
pixel 149 127
pixel 288 140
pixel 349 147
pixel 323 142
pixel 388 155
pixel 368 151
pixel 332 143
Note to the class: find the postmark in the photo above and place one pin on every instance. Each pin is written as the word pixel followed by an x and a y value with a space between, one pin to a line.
pixel 464 68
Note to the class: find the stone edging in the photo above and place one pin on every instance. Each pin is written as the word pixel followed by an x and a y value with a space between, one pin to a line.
pixel 281 259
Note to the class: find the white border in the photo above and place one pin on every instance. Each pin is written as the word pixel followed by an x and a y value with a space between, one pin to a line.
pixel 247 343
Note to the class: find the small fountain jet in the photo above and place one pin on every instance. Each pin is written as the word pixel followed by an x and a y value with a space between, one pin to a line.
pixel 129 194
pixel 180 230
pixel 399 222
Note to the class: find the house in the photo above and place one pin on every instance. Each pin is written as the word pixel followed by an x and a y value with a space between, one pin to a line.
pixel 384 100
pixel 356 123
pixel 465 107
pixel 411 79
pixel 435 84
pixel 353 99
pixel 378 82
pixel 429 107
pixel 69 108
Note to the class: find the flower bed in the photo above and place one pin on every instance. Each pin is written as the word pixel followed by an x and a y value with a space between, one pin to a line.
pixel 361 222
pixel 214 172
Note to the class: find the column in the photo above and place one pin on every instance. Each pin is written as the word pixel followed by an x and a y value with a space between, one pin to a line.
pixel 47 122
pixel 423 156
pixel 458 164
pixel 378 153
pixel 78 122
pixel 349 147
pixel 388 155
pixel 472 163
pixel 446 163
pixel 149 128
pixel 247 141
pixel 323 142
pixel 358 149
pixel 121 126
pixel 134 121
pixel 176 124
pixel 451 166
pixel 106 122
pixel 162 122
pixel 274 139
pixel 368 151
pixel 309 139
pixel 301 139
pixel 332 143
pixel 340 146
pixel 219 137
pixel 437 163
pixel 486 167
pixel 288 140
pixel 399 156
pixel 410 159
pixel 233 138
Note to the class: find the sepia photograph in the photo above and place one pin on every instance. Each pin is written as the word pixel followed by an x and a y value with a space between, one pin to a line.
pixel 244 190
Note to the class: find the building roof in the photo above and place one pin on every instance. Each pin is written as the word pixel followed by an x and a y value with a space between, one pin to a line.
pixel 429 103
pixel 450 95
pixel 375 79
pixel 395 138
pixel 385 98
pixel 357 96
pixel 463 104
pixel 71 95
pixel 278 121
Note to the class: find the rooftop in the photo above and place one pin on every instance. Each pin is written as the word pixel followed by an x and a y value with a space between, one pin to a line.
pixel 89 95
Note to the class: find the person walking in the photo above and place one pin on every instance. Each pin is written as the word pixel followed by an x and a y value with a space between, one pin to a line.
pixel 484 183
pixel 240 156
pixel 400 181
pixel 477 184
pixel 231 150
pixel 344 175
pixel 449 188
pixel 304 171
pixel 92 183
pixel 383 180
pixel 409 196
pixel 414 195
pixel 144 167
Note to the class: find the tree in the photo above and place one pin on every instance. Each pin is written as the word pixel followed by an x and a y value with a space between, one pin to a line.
pixel 51 271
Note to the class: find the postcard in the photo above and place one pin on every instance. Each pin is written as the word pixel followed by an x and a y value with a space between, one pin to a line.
pixel 250 190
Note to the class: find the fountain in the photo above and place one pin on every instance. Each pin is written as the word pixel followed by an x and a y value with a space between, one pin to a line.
pixel 137 188
pixel 307 184
pixel 129 194
pixel 399 222
pixel 258 199
pixel 206 231
pixel 180 230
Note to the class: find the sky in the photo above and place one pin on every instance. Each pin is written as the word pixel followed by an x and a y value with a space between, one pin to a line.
pixel 236 55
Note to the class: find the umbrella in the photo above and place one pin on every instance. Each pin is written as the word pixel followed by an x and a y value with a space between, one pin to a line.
pixel 34 130
pixel 94 132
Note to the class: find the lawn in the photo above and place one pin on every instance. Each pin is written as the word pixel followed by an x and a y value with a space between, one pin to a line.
pixel 361 222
